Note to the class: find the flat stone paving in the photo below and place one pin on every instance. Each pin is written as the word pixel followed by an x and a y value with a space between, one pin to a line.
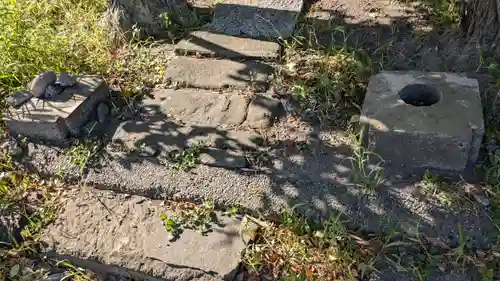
pixel 267 19
pixel 125 233
pixel 215 44
pixel 217 74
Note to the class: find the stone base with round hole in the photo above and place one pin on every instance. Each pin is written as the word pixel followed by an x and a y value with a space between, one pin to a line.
pixel 417 121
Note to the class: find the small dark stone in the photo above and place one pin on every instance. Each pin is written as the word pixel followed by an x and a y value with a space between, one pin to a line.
pixel 40 83
pixel 18 98
pixel 52 91
pixel 103 113
pixel 65 79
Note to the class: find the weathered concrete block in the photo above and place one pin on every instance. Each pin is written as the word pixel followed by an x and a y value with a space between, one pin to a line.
pixel 124 235
pixel 200 107
pixel 52 120
pixel 216 74
pixel 416 120
pixel 266 19
pixel 214 44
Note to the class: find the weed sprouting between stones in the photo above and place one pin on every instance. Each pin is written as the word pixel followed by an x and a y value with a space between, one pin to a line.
pixel 296 251
pixel 365 175
pixel 190 216
pixel 186 159
pixel 200 218
pixel 80 155
pixel 434 187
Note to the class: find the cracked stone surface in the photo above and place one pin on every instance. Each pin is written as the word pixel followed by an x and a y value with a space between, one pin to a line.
pixel 217 74
pixel 123 234
pixel 267 19
pixel 209 43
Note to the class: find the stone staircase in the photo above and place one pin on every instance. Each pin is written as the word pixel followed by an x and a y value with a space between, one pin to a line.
pixel 221 80
pixel 219 99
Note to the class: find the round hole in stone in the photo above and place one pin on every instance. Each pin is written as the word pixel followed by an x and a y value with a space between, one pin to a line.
pixel 420 95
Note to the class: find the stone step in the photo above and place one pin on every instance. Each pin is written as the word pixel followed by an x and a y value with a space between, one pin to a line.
pixel 208 43
pixel 122 234
pixel 208 108
pixel 217 74
pixel 265 19
pixel 167 136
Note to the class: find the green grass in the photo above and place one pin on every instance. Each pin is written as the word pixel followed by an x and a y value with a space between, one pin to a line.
pixel 447 194
pixel 79 155
pixel 324 82
pixel 50 35
pixel 444 13
pixel 186 159
pixel 364 175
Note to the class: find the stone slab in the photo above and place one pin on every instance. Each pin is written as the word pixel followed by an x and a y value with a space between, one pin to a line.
pixel 214 44
pixel 53 120
pixel 223 158
pixel 444 136
pixel 262 111
pixel 268 19
pixel 168 136
pixel 126 234
pixel 217 74
pixel 200 107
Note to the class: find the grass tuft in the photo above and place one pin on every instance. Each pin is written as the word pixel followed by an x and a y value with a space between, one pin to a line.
pixel 50 35
pixel 323 82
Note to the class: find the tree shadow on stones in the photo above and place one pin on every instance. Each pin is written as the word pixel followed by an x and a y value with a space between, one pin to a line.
pixel 321 174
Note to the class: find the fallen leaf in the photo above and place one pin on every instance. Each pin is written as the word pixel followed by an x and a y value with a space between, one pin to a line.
pixel 14 271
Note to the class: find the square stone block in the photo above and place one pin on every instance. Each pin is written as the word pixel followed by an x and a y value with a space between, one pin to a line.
pixel 418 121
pixel 53 120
